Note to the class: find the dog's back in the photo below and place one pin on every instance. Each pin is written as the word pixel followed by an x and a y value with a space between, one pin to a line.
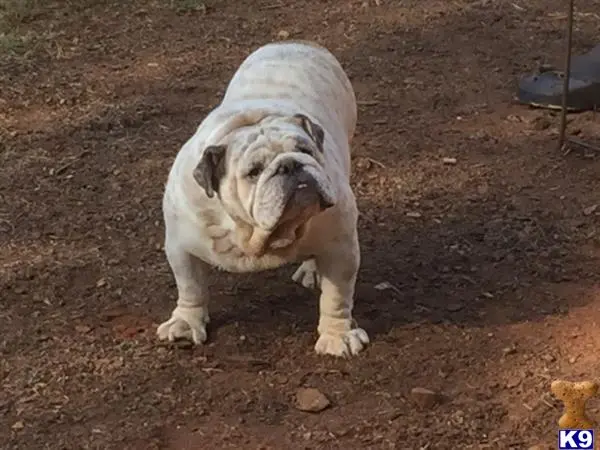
pixel 302 72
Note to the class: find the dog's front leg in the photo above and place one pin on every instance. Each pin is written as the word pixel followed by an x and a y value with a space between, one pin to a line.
pixel 190 316
pixel 338 268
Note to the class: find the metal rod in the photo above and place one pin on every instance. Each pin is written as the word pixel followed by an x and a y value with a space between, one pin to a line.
pixel 567 74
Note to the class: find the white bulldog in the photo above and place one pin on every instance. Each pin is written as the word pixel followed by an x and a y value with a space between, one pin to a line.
pixel 264 182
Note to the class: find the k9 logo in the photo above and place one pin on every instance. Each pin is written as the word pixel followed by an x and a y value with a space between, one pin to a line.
pixel 576 440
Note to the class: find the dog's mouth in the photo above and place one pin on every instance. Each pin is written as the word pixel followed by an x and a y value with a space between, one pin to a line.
pixel 324 201
pixel 304 199
pixel 304 202
pixel 305 195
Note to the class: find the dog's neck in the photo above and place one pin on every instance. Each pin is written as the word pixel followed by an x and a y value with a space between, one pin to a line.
pixel 242 239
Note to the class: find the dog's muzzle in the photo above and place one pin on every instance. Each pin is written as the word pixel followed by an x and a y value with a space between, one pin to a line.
pixel 304 189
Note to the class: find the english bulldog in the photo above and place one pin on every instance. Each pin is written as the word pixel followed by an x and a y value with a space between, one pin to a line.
pixel 264 182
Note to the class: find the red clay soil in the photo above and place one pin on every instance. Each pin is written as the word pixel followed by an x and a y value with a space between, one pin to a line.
pixel 494 259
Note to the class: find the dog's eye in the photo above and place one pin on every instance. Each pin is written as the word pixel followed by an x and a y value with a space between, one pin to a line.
pixel 305 150
pixel 256 170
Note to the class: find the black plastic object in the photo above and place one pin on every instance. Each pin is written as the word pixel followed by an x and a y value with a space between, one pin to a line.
pixel 545 89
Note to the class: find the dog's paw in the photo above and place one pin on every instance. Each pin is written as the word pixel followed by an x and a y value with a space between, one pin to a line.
pixel 347 344
pixel 307 275
pixel 185 323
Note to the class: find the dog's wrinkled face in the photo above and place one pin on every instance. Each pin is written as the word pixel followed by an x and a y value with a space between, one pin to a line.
pixel 270 175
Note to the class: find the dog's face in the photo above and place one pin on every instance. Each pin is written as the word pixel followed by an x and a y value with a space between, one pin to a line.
pixel 270 175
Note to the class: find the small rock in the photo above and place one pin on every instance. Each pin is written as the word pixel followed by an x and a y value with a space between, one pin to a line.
pixel 426 398
pixel 281 379
pixel 283 34
pixel 83 329
pixel 449 161
pixel 414 214
pixel 18 425
pixel 590 210
pixel 509 350
pixel 541 123
pixel 311 400
pixel 513 383
pixel 385 285
pixel 548 358
pixel 454 307
pixel 101 282
pixel 184 344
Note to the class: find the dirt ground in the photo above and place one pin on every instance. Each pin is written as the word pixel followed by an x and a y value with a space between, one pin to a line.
pixel 493 260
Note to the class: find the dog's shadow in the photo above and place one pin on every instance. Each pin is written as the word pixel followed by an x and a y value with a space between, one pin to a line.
pixel 475 270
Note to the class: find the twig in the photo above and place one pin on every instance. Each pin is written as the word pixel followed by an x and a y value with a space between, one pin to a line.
pixel 367 102
pixel 12 227
pixel 582 143
pixel 563 113
pixel 273 6
pixel 70 163
pixel 374 161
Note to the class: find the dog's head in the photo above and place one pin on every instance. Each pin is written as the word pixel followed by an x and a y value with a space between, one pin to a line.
pixel 268 172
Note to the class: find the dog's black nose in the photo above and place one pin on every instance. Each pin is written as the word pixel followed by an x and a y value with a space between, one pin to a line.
pixel 289 167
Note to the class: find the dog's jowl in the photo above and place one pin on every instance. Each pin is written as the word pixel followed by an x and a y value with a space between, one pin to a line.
pixel 264 182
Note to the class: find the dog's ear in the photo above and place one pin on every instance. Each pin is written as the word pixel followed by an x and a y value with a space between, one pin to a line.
pixel 314 131
pixel 211 169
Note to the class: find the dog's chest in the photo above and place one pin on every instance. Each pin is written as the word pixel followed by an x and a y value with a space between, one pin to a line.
pixel 221 249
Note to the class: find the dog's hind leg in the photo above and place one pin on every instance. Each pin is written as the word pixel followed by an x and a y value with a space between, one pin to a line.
pixel 308 275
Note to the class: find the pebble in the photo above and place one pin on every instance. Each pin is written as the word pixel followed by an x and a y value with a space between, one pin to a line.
pixel 548 358
pixel 311 400
pixel 184 344
pixel 513 383
pixel 454 307
pixel 83 329
pixel 426 398
pixel 541 123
